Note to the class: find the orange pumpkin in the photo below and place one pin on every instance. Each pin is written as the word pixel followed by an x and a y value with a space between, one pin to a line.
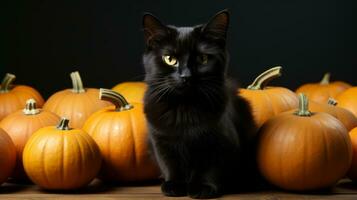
pixel 345 116
pixel 267 102
pixel 352 173
pixel 132 91
pixel 303 150
pixel 348 100
pixel 61 158
pixel 322 91
pixel 21 125
pixel 121 133
pixel 13 97
pixel 7 156
pixel 76 104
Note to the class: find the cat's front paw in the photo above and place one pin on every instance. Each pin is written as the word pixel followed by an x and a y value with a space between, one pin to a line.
pixel 174 189
pixel 203 190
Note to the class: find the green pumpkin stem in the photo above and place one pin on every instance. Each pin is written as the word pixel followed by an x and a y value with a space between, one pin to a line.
pixel 303 106
pixel 31 108
pixel 77 82
pixel 63 124
pixel 117 99
pixel 326 79
pixel 6 82
pixel 264 78
pixel 332 101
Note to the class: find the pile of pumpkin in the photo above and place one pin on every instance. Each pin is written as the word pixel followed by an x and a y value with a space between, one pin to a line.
pixel 82 133
pixel 77 135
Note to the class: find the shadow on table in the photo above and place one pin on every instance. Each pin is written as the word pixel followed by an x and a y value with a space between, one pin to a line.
pixel 13 187
pixel 98 187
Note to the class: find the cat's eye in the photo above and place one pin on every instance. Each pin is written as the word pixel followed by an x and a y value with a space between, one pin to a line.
pixel 170 60
pixel 203 59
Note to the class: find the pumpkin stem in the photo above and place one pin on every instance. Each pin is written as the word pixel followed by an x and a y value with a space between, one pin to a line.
pixel 77 82
pixel 303 106
pixel 6 82
pixel 332 101
pixel 31 108
pixel 264 78
pixel 63 124
pixel 117 99
pixel 326 79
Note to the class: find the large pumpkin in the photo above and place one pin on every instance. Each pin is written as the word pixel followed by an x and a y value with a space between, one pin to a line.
pixel 345 116
pixel 75 104
pixel 7 156
pixel 21 125
pixel 132 91
pixel 61 158
pixel 322 91
pixel 303 150
pixel 352 173
pixel 266 101
pixel 348 100
pixel 13 97
pixel 121 133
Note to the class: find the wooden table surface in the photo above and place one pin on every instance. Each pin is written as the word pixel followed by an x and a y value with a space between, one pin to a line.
pixel 97 190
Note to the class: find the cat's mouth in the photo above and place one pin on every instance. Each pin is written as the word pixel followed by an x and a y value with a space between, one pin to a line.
pixel 184 84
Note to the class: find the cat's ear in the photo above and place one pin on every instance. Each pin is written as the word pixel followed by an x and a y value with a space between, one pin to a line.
pixel 152 27
pixel 218 25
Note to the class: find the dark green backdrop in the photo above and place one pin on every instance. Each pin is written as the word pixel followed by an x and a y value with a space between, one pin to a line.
pixel 42 41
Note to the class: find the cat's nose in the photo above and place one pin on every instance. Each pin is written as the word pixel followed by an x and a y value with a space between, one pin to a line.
pixel 185 74
pixel 185 77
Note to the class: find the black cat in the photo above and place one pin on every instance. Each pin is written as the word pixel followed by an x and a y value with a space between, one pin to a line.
pixel 200 130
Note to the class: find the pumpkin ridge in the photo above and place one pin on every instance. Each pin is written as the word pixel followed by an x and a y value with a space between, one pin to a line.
pixel 43 156
pixel 58 103
pixel 62 144
pixel 32 94
pixel 133 135
pixel 326 151
pixel 80 155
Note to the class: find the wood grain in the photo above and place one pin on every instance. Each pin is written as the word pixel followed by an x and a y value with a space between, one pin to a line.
pixel 344 190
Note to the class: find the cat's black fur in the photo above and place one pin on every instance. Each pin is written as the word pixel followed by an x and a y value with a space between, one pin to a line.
pixel 200 130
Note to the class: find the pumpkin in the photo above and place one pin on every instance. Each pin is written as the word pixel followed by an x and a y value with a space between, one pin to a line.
pixel 322 91
pixel 7 156
pixel 267 102
pixel 61 158
pixel 345 116
pixel 76 104
pixel 132 91
pixel 121 133
pixel 348 100
pixel 13 97
pixel 303 150
pixel 352 172
pixel 21 125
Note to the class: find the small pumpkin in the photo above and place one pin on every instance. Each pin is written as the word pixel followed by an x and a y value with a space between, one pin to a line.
pixel 322 91
pixel 21 125
pixel 13 97
pixel 345 116
pixel 61 158
pixel 352 172
pixel 303 150
pixel 132 91
pixel 121 133
pixel 76 104
pixel 267 102
pixel 7 156
pixel 348 100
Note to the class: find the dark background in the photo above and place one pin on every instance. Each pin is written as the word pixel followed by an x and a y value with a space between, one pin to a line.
pixel 43 41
